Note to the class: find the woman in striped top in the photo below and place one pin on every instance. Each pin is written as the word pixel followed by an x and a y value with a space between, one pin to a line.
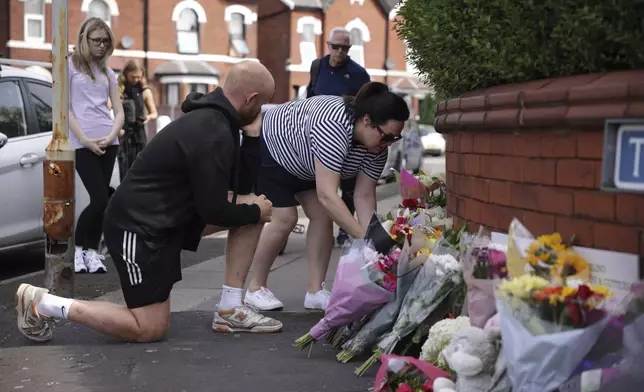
pixel 307 147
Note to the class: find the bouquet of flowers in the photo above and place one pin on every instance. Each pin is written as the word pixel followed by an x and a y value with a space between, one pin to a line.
pixel 546 256
pixel 356 292
pixel 431 190
pixel 558 324
pixel 433 284
pixel 484 262
pixel 406 374
pixel 383 319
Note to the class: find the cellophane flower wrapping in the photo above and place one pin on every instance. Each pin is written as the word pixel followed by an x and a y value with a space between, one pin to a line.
pixel 354 294
pixel 484 263
pixel 429 189
pixel 406 374
pixel 433 284
pixel 547 330
pixel 383 319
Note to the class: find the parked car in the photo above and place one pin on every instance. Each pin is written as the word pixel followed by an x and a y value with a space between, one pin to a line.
pixel 433 142
pixel 25 132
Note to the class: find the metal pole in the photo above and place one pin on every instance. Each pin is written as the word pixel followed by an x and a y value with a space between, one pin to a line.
pixel 58 168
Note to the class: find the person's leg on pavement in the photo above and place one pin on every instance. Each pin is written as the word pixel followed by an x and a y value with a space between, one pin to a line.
pixel 147 271
pixel 271 241
pixel 95 172
pixel 319 245
pixel 347 186
pixel 232 315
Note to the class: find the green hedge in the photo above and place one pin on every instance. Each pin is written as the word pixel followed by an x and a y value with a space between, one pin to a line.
pixel 463 45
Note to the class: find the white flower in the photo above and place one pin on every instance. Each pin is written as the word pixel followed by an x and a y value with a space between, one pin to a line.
pixel 440 335
pixel 387 225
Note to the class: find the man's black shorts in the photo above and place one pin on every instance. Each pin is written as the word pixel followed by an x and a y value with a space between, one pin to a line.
pixel 278 184
pixel 147 268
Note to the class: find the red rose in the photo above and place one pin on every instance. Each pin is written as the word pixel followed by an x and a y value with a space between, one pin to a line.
pixel 427 386
pixel 575 314
pixel 404 388
pixel 401 220
pixel 412 204
pixel 584 292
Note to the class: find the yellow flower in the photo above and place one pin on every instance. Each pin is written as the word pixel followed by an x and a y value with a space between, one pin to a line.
pixel 603 290
pixel 569 263
pixel 522 286
pixel 567 291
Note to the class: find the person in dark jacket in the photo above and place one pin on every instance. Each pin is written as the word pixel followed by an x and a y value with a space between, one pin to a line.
pixel 193 178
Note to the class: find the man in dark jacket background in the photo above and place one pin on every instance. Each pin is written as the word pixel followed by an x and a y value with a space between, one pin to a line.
pixel 337 74
pixel 192 178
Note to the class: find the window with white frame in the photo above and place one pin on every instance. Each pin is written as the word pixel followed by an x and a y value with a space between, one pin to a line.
pixel 237 34
pixel 308 49
pixel 35 20
pixel 172 94
pixel 357 46
pixel 308 27
pixel 100 9
pixel 188 32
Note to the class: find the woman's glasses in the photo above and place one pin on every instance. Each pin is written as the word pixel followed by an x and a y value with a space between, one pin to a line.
pixel 387 137
pixel 101 41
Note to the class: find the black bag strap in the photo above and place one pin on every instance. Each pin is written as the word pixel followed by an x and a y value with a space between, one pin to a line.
pixel 315 70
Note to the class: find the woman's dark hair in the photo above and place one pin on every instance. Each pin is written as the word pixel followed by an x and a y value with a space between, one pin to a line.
pixel 376 101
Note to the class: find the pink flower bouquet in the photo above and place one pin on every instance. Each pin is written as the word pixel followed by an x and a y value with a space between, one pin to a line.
pixel 358 290
pixel 406 374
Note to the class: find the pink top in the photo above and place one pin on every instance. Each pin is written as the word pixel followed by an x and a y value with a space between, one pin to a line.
pixel 88 102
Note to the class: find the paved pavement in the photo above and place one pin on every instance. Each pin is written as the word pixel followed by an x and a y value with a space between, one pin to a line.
pixel 193 358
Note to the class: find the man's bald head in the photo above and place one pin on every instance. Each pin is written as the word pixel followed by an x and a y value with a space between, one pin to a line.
pixel 248 86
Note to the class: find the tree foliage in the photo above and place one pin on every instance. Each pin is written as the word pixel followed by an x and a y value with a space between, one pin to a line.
pixel 463 45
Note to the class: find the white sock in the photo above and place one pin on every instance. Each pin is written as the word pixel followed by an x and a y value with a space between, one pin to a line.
pixel 54 306
pixel 231 297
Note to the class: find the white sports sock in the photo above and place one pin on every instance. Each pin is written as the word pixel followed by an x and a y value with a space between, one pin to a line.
pixel 54 306
pixel 231 297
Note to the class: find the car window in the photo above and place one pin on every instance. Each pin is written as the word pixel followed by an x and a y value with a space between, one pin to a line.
pixel 12 110
pixel 41 96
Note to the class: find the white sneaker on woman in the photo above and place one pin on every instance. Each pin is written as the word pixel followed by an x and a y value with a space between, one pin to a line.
pixel 263 299
pixel 94 262
pixel 80 267
pixel 318 300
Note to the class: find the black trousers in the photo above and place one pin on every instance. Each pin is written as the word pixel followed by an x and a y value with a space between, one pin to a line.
pixel 96 172
pixel 348 188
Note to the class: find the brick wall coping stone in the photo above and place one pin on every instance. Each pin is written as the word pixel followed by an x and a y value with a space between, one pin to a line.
pixel 579 101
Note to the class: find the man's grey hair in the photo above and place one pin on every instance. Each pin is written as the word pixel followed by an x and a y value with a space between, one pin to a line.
pixel 338 30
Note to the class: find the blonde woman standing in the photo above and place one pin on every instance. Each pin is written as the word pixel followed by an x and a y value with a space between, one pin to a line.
pixel 94 134
pixel 139 109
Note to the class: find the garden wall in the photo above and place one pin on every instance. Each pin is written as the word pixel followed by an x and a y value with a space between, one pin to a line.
pixel 534 151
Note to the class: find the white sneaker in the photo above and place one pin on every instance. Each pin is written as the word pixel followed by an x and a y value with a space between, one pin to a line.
pixel 30 324
pixel 317 301
pixel 94 262
pixel 263 299
pixel 244 319
pixel 79 261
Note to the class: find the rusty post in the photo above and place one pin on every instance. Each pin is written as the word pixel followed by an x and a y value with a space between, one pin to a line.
pixel 58 168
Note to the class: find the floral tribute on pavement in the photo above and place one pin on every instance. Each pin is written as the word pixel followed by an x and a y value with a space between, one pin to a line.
pixel 443 310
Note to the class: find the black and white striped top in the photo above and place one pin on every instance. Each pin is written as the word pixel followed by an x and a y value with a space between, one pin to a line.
pixel 319 127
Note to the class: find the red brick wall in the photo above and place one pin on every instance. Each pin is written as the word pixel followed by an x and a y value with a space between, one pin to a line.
pixel 533 151
pixel 342 12
pixel 549 181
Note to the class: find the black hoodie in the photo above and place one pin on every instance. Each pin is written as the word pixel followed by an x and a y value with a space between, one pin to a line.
pixel 180 181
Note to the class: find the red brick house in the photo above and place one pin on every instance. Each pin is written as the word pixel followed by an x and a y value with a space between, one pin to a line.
pixel 188 45
pixel 292 33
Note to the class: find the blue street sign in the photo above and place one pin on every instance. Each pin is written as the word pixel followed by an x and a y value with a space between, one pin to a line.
pixel 629 158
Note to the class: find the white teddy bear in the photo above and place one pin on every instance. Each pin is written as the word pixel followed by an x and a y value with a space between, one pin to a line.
pixel 472 354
